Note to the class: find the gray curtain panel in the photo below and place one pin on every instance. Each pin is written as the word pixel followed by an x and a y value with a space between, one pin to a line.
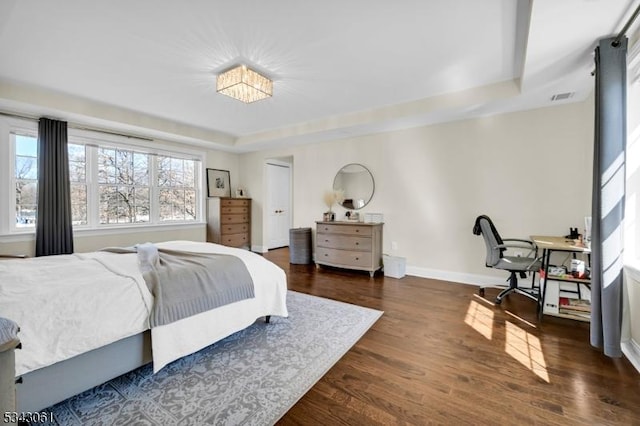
pixel 608 195
pixel 54 233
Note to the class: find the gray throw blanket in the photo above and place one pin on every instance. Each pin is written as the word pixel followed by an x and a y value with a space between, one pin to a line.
pixel 185 284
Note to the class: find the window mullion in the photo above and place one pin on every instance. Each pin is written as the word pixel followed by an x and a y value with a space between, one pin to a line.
pixel 12 183
pixel 154 191
pixel 199 176
pixel 93 195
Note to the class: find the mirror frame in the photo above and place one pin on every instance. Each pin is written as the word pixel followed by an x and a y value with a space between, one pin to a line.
pixel 373 184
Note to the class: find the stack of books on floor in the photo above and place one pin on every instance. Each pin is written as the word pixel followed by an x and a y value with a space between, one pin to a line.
pixel 575 307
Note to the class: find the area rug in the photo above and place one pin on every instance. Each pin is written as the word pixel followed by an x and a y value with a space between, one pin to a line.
pixel 251 378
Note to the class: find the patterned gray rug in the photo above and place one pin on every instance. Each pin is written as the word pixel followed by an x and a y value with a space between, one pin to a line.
pixel 251 378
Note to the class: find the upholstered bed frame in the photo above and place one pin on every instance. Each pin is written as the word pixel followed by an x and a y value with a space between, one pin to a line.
pixel 43 387
pixel 46 386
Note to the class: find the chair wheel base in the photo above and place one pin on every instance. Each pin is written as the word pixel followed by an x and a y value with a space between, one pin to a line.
pixel 498 301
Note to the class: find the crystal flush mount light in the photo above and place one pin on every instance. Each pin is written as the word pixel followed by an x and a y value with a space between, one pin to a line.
pixel 244 84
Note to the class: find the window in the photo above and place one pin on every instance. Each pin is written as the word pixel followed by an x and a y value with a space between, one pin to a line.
pixel 123 185
pixel 176 183
pixel 26 180
pixel 111 183
pixel 78 181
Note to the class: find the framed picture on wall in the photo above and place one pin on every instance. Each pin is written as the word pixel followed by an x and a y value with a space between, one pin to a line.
pixel 218 183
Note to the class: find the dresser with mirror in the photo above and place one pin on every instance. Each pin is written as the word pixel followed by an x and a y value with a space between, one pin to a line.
pixel 351 243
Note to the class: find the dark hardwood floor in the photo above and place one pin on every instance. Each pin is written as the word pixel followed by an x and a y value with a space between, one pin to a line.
pixel 440 354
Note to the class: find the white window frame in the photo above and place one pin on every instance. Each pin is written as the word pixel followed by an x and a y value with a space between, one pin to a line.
pixel 24 128
pixel 92 139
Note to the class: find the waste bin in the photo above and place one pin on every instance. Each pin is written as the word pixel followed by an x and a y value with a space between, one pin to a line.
pixel 394 266
pixel 300 246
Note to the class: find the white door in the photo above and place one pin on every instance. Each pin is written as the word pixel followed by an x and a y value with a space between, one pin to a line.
pixel 278 204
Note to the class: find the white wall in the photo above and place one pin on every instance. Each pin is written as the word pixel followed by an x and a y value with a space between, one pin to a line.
pixel 530 171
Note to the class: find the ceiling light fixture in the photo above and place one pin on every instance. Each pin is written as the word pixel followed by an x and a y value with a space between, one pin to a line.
pixel 244 84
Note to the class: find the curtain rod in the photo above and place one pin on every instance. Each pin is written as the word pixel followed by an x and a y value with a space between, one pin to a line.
pixel 624 30
pixel 78 127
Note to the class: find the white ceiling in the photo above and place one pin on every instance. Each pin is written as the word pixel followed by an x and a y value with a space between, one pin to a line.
pixel 340 68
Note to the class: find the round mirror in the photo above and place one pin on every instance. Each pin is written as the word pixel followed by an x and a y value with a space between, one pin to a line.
pixel 356 181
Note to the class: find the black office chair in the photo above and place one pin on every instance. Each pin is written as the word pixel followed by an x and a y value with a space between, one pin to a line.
pixel 516 265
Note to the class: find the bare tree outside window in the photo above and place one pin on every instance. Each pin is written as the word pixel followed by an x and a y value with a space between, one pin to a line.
pixel 26 178
pixel 123 181
pixel 177 189
pixel 123 184
pixel 78 181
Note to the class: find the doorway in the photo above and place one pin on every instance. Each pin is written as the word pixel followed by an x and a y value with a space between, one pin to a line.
pixel 278 209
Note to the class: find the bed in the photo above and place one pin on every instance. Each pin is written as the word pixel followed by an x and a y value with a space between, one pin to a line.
pixel 85 318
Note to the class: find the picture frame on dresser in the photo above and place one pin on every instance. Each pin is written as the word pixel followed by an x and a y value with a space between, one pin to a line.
pixel 218 183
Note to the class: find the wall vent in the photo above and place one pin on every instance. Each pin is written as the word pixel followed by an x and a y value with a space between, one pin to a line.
pixel 562 96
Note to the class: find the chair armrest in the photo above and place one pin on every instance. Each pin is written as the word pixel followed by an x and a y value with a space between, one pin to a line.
pixel 524 246
pixel 531 243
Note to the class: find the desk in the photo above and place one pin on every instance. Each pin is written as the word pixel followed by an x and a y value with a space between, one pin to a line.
pixel 548 245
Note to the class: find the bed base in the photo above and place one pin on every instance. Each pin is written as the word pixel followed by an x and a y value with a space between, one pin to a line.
pixel 44 387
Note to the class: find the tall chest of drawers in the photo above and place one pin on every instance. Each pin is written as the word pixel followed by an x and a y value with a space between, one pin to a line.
pixel 350 245
pixel 229 221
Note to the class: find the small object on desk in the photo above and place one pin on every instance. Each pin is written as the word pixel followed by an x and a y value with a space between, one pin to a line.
pixel 556 270
pixel 574 305
pixel 577 268
pixel 573 234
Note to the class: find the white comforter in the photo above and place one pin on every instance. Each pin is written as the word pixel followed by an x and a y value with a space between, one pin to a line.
pixel 70 304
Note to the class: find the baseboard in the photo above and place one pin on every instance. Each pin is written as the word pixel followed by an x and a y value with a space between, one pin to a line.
pixel 631 350
pixel 457 277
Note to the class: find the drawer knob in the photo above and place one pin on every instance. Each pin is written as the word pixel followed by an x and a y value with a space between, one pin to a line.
pixel 357 258
pixel 357 244
pixel 326 255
